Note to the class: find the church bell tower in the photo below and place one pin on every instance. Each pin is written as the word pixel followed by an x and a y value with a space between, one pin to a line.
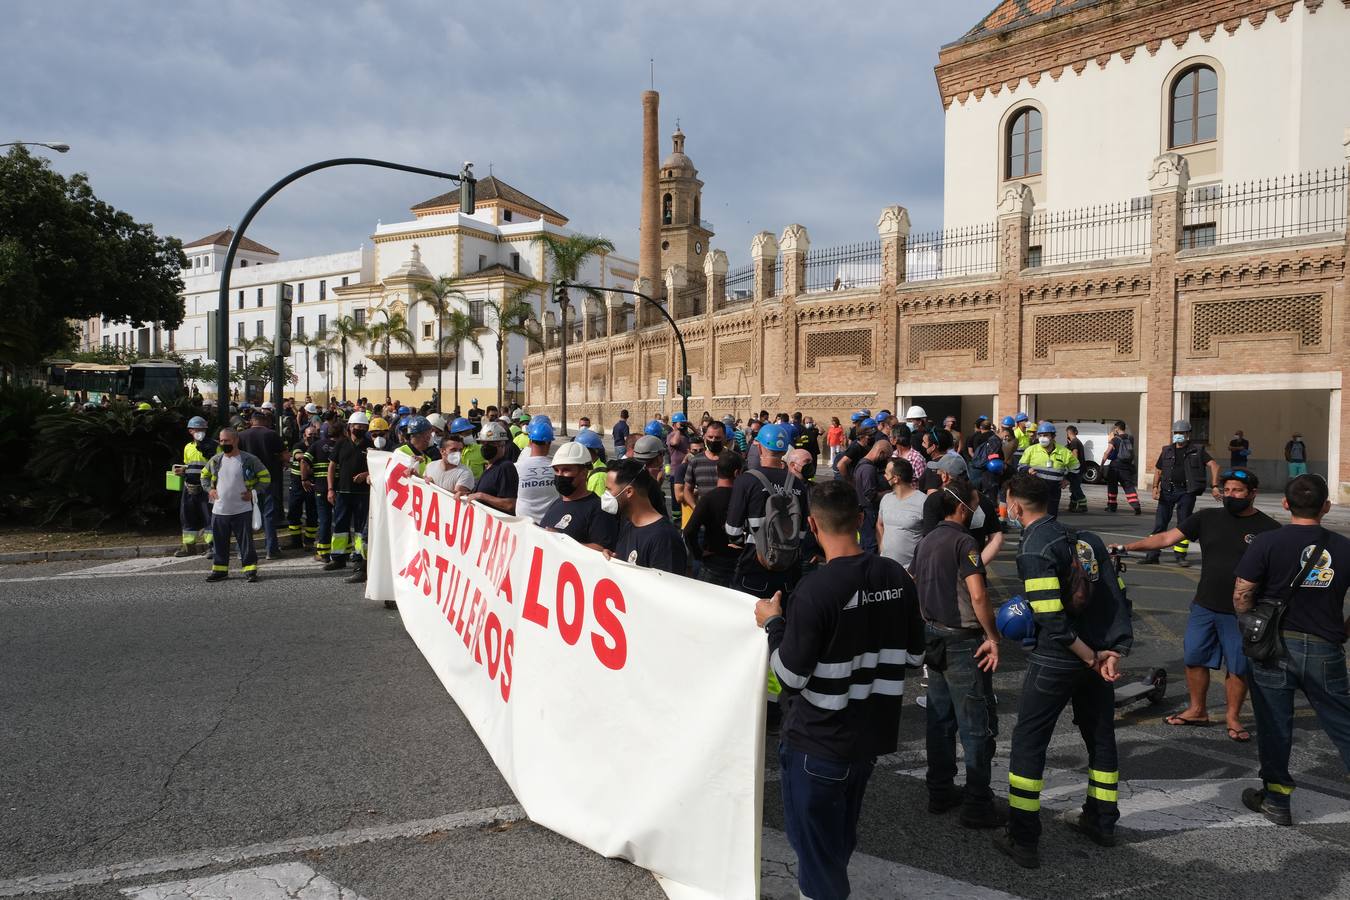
pixel 684 235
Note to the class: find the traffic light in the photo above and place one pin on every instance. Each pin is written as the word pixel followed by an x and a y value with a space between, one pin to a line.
pixel 282 344
pixel 468 189
pixel 560 293
pixel 685 388
pixel 211 338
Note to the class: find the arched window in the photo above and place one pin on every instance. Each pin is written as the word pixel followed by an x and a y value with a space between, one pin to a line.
pixel 1024 144
pixel 1195 107
pixel 666 202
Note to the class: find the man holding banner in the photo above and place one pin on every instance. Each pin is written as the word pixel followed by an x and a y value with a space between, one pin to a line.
pixel 841 658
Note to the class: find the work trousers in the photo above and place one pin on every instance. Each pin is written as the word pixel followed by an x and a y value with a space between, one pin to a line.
pixel 868 536
pixel 1317 668
pixel 194 515
pixel 1077 499
pixel 302 515
pixel 349 525
pixel 1183 503
pixel 323 538
pixel 822 799
pixel 1050 684
pixel 240 527
pixel 961 702
pixel 1121 475
pixel 268 503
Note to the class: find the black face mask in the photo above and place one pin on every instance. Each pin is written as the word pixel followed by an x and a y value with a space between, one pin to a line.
pixel 565 485
pixel 489 451
pixel 714 446
pixel 227 448
pixel 1236 506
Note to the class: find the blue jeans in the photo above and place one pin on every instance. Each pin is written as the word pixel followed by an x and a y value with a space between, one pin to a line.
pixel 961 700
pixel 1317 668
pixel 266 502
pixel 1172 500
pixel 821 802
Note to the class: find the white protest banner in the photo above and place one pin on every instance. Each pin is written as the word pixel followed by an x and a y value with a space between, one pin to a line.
pixel 624 706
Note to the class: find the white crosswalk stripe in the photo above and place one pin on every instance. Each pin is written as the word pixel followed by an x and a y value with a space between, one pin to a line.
pixel 285 881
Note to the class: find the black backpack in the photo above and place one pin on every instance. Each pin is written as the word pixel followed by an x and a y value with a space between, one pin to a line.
pixel 778 539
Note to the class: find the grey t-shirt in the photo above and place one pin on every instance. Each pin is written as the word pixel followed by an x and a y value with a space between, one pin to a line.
pixel 902 526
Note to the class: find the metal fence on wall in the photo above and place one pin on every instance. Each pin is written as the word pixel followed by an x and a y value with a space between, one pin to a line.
pixel 1091 233
pixel 843 267
pixel 952 253
pixel 740 286
pixel 1266 209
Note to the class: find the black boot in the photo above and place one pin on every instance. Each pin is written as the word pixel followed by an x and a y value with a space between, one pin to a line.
pixel 358 575
pixel 335 563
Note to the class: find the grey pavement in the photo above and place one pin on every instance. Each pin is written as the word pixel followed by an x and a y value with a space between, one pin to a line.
pixel 160 731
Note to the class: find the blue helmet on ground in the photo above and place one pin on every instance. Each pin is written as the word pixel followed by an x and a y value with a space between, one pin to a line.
pixel 995 465
pixel 197 422
pixel 590 440
pixel 1022 417
pixel 775 438
pixel 540 430
pixel 1008 422
pixel 1014 620
pixel 461 426
pixel 417 425
pixel 1045 428
pixel 655 429
pixel 678 418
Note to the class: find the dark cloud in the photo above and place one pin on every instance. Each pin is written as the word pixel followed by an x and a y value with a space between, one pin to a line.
pixel 182 113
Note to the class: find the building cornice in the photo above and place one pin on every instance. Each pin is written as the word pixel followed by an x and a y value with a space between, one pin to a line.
pixel 1092 35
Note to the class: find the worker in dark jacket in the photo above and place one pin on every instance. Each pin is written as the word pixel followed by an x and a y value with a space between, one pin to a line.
pixel 1183 469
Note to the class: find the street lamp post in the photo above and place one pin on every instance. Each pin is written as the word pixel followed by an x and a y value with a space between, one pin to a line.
pixel 560 297
pixel 467 186
pixel 57 146
pixel 359 370
pixel 517 378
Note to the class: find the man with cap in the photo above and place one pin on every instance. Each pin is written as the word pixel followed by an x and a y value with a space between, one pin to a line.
pixel 472 454
pixel 1022 431
pixel 1179 476
pixel 916 417
pixel 858 449
pixel 575 510
pixel 419 447
pixel 746 513
pixel 262 440
pixel 194 508
pixel 499 483
pixel 1049 462
pixel 650 450
pixel 535 492
pixel 349 492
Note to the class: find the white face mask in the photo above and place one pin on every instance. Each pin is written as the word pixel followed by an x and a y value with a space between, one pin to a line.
pixel 1046 440
pixel 609 503
pixel 977 520
pixel 380 442
pixel 1179 438
pixel 452 458
pixel 198 435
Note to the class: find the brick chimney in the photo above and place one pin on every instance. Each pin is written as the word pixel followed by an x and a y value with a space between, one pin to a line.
pixel 649 225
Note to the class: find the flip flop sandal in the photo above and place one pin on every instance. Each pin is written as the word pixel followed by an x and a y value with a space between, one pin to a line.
pixel 1178 720
pixel 1239 735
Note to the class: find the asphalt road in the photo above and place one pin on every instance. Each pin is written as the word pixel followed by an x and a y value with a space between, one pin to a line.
pixel 157 729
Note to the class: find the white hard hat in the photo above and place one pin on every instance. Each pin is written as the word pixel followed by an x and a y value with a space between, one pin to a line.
pixel 267 404
pixel 359 418
pixel 311 408
pixel 572 454
pixel 494 431
pixel 915 412
pixel 437 421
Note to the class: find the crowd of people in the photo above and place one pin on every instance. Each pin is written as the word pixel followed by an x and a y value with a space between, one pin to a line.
pixel 880 568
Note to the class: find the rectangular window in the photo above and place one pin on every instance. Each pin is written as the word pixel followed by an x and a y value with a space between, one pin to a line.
pixel 299 326
pixel 323 289
pixel 320 361
pixel 107 340
pixel 1203 235
pixel 344 280
pixel 239 331
pixel 482 262
pixel 359 316
pixel 515 262
pixel 258 327
pixel 239 364
pixel 473 367
pixel 1034 257
pixel 506 215
pixel 241 299
pixel 197 336
pixel 260 293
pixel 243 263
pixel 300 293
pixel 323 325
pixel 426 331
pixel 476 312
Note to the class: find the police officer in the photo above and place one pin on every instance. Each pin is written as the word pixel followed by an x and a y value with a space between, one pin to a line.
pixel 1049 462
pixel 194 509
pixel 1083 629
pixel 302 517
pixel 1179 476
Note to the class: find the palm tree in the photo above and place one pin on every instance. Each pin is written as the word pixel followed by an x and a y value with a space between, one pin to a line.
pixel 309 342
pixel 345 330
pixel 438 295
pixel 459 330
pixel 393 330
pixel 512 314
pixel 568 254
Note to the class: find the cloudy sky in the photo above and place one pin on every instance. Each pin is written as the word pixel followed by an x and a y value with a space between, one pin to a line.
pixel 183 112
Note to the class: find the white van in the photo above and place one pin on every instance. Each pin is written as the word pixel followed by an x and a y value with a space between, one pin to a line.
pixel 1096 438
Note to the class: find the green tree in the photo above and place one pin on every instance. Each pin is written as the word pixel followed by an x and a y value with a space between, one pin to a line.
pixel 309 342
pixel 345 331
pixel 459 330
pixel 512 314
pixel 65 254
pixel 440 295
pixel 567 254
pixel 393 330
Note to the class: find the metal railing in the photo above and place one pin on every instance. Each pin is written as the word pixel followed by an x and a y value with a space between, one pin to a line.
pixel 1091 232
pixel 1265 209
pixel 843 267
pixel 740 285
pixel 952 253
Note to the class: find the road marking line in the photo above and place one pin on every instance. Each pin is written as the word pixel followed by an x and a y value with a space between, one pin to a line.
pixel 287 881
pixel 94 575
pixel 64 881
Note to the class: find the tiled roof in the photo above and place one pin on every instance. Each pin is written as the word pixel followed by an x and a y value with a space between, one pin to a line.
pixel 1013 14
pixel 490 188
pixel 223 238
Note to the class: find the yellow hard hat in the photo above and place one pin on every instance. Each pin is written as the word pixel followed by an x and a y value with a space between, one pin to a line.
pixel 143 406
pixel 378 424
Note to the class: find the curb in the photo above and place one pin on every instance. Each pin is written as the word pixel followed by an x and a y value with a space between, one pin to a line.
pixel 38 556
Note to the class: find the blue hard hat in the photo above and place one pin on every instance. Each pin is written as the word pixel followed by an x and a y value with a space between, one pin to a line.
pixel 994 465
pixel 679 417
pixel 882 416
pixel 196 422
pixel 1014 620
pixel 417 425
pixel 461 425
pixel 590 440
pixel 1022 417
pixel 866 412
pixel 1008 421
pixel 540 429
pixel 868 423
pixel 857 417
pixel 1045 428
pixel 402 422
pixel 655 429
pixel 403 410
pixel 774 437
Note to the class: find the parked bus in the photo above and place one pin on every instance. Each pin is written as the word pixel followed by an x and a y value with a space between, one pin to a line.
pixel 149 380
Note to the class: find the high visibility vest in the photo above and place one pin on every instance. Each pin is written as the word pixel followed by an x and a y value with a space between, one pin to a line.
pixel 473 458
pixel 419 461
pixel 1052 464
pixel 194 461
pixel 1023 437
pixel 596 481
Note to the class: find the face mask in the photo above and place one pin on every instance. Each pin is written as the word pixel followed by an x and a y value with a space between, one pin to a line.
pixel 199 435
pixel 435 440
pixel 227 448
pixel 609 503
pixel 714 446
pixel 1179 438
pixel 380 442
pixel 977 520
pixel 358 434
pixel 565 485
pixel 489 451
pixel 452 458
pixel 1237 505
pixel 1045 441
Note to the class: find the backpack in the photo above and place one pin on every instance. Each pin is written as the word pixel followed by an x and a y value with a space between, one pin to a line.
pixel 1125 453
pixel 778 537
pixel 1084 570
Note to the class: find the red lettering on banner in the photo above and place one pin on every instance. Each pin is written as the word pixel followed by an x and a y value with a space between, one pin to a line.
pixel 504 585
pixel 396 485
pixel 489 527
pixel 467 633
pixel 433 524
pixel 493 636
pixel 478 632
pixel 417 499
pixel 461 605
pixel 450 593
pixel 508 650
pixel 452 525
pixel 613 654
pixel 466 528
pixel 533 610
pixel 569 577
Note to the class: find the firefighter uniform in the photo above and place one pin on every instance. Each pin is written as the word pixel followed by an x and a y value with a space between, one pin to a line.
pixel 194 507
pixel 321 453
pixel 302 516
pixel 1055 675
pixel 1051 464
